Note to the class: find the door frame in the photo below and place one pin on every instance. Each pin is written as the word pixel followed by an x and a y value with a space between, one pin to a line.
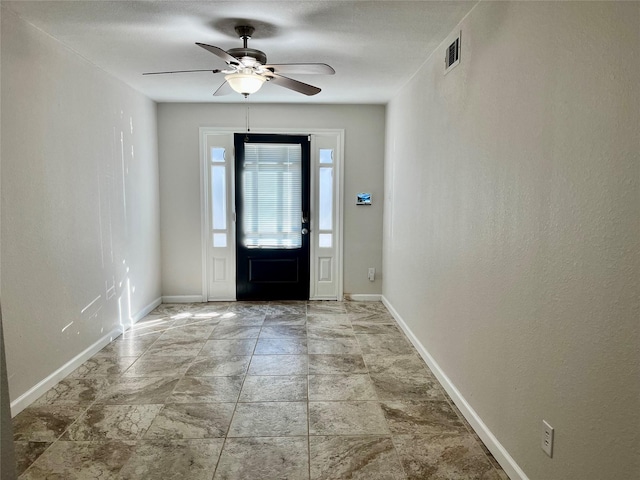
pixel 338 197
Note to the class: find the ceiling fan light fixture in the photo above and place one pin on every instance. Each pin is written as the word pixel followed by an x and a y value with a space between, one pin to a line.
pixel 245 83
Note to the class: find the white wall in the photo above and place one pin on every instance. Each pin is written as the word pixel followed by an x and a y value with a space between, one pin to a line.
pixel 511 228
pixel 179 158
pixel 80 206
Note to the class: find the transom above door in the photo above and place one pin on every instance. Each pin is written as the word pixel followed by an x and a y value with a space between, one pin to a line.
pixel 261 238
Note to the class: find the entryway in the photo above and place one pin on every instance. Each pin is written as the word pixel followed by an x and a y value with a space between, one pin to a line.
pixel 271 209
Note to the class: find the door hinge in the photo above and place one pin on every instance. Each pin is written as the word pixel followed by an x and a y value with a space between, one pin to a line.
pixel 309 138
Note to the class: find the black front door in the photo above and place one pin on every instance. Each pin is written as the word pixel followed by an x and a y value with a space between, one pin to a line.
pixel 272 217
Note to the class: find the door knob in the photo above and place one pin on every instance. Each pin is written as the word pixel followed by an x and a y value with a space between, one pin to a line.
pixel 305 231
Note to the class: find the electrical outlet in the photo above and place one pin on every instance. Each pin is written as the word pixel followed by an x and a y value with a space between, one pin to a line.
pixel 547 438
pixel 372 274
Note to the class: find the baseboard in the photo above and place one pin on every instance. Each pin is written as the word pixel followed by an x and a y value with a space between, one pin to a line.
pixel 35 392
pixel 362 297
pixel 146 310
pixel 505 460
pixel 182 299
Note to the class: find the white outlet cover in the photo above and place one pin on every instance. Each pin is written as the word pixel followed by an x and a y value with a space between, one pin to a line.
pixel 547 438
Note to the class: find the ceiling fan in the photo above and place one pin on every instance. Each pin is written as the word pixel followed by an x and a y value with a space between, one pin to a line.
pixel 248 69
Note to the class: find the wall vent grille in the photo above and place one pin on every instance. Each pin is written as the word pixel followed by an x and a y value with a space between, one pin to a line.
pixel 452 55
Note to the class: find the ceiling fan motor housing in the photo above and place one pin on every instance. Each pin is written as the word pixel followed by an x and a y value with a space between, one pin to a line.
pixel 239 53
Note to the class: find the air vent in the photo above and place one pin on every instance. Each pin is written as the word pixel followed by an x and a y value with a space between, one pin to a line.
pixel 452 55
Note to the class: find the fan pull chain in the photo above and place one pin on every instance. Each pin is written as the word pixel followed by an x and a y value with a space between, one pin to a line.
pixel 246 136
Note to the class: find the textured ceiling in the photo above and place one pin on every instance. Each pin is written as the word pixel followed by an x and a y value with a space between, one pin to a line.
pixel 374 46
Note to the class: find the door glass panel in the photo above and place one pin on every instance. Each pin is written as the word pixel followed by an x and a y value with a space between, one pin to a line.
pixel 326 155
pixel 272 195
pixel 219 239
pixel 325 208
pixel 325 240
pixel 219 194
pixel 217 154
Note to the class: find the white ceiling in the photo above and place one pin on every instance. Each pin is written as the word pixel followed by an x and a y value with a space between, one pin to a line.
pixel 374 46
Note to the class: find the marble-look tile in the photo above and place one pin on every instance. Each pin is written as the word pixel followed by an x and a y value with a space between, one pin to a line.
pixel 226 331
pixel 249 308
pixel 285 319
pixel 408 387
pixel 191 420
pixel 283 331
pixel 28 452
pixel 336 364
pixel 315 307
pixel 328 332
pixel 421 418
pixel 281 346
pixel 150 328
pixel 214 348
pixel 129 347
pixel 334 346
pixel 274 389
pixel 112 422
pixel 206 390
pixel 365 307
pixel 264 459
pixel 199 320
pixel 341 387
pixel 173 459
pixel 75 391
pixel 357 458
pixel 372 328
pixel 287 307
pixel 138 390
pixel 157 366
pixel 170 309
pixel 386 344
pixel 195 333
pixel 346 418
pixel 222 366
pixel 103 366
pixel 81 461
pixel 44 423
pixel 242 320
pixel 326 320
pixel 279 365
pixel 443 457
pixel 211 307
pixel 176 348
pixel 397 365
pixel 152 321
pixel 271 419
pixel 372 317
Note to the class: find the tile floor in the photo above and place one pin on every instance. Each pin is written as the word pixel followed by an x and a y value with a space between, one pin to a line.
pixel 238 390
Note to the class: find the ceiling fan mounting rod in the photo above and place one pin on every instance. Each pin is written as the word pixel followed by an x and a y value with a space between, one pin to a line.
pixel 244 32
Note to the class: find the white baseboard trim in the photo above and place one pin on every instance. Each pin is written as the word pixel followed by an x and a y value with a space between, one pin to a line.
pixel 362 297
pixel 505 460
pixel 182 299
pixel 35 392
pixel 146 310
pixel 39 389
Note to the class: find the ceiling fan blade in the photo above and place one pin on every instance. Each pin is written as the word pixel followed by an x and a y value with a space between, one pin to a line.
pixel 182 71
pixel 224 89
pixel 292 84
pixel 220 53
pixel 301 68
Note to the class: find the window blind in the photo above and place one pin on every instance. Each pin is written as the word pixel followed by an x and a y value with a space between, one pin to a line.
pixel 272 195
